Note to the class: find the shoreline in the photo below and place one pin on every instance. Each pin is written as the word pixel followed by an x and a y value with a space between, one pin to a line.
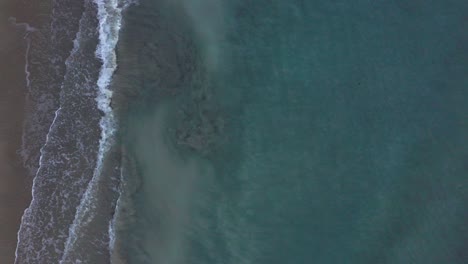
pixel 15 193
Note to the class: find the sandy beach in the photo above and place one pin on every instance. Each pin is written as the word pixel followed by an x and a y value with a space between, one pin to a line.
pixel 14 183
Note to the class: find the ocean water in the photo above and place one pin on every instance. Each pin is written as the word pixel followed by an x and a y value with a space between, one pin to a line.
pixel 204 131
pixel 309 132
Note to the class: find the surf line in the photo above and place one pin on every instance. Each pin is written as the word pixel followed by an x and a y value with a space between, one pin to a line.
pixel 109 14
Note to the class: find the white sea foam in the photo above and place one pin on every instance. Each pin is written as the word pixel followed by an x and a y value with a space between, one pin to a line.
pixel 26 64
pixel 28 28
pixel 110 18
pixel 27 211
pixel 41 163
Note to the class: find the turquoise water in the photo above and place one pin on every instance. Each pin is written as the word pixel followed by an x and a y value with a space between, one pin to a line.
pixel 295 132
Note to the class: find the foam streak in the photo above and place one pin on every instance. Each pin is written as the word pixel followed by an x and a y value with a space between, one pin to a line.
pixel 110 17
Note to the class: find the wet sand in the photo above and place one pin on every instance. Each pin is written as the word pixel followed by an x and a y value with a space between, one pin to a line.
pixel 14 183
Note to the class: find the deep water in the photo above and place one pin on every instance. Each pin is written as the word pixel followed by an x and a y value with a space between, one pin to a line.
pixel 294 132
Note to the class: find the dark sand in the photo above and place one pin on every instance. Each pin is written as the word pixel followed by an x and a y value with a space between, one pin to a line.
pixel 14 183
